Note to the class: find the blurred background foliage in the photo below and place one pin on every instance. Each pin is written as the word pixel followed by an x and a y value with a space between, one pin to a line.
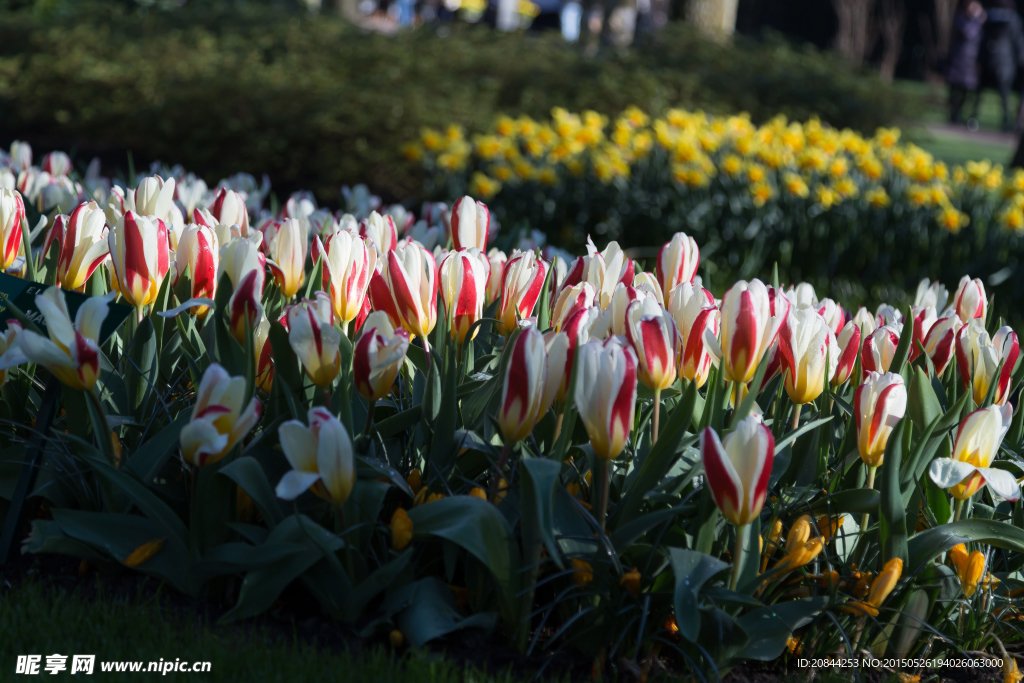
pixel 315 103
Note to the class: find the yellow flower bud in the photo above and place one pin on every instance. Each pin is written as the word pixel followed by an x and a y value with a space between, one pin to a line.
pixel 396 638
pixel 631 580
pixel 478 492
pixel 584 573
pixel 975 570
pixel 401 529
pixel 799 556
pixel 799 534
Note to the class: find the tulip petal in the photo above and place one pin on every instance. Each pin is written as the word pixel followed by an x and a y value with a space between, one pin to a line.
pixel 299 446
pixel 294 483
pixel 1001 483
pixel 946 472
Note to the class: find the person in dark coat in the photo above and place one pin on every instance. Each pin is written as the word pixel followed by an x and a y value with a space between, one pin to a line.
pixel 1002 48
pixel 962 61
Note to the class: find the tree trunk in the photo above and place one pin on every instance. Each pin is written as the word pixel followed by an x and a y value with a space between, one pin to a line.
pixel 716 18
pixel 1018 157
pixel 894 16
pixel 853 36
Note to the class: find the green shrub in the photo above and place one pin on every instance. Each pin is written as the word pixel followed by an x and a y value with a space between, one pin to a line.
pixel 317 104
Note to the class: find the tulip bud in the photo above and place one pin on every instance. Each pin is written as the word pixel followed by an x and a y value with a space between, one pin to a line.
pixel 57 164
pixel 648 284
pixel 939 342
pixel 521 285
pixel 802 295
pixel 470 222
pixel 228 208
pixel 613 317
pixel 153 197
pixel 497 260
pixel 606 387
pixel 924 318
pixel 380 231
pixel 12 215
pixel 321 457
pixel 523 390
pixel 978 358
pixel 570 300
pixel 577 332
pixel 878 350
pixel 288 257
pixel 606 269
pixel 878 404
pixel 809 354
pixel 748 329
pixel 199 252
pixel 865 321
pixel 71 353
pixel 652 333
pixel 348 264
pixel 677 261
pixel 976 446
pixel 140 254
pixel 378 356
pixel 463 288
pixel 240 259
pixel 888 315
pixel 738 467
pixel 849 346
pixel 931 294
pixel 694 312
pixel 970 301
pixel 83 245
pixel 21 155
pixel 264 359
pixel 315 340
pixel 7 340
pixel 220 418
pixel 409 278
pixel 833 314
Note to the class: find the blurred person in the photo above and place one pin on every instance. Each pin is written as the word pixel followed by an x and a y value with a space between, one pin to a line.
pixel 1002 49
pixel 962 62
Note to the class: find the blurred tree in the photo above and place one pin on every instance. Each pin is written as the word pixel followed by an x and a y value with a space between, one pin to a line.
pixel 715 18
pixel 856 32
pixel 894 20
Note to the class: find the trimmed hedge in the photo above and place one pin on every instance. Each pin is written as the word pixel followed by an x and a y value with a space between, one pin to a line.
pixel 317 104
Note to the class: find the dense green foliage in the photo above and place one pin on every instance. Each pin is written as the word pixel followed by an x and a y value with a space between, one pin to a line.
pixel 316 104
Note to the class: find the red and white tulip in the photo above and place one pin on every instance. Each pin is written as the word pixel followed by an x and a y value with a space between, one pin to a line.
pixel 220 418
pixel 978 357
pixel 521 284
pixel 463 290
pixel 940 340
pixel 606 386
pixel 410 276
pixel 378 356
pixel 678 260
pixel 748 330
pixel 878 350
pixel 348 265
pixel 314 338
pixel 809 354
pixel 83 244
pixel 380 231
pixel 849 348
pixel 228 209
pixel 738 468
pixel 12 215
pixel 140 255
pixel 199 253
pixel 321 457
pixel 470 223
pixel 288 256
pixel 694 312
pixel 526 392
pixel 652 332
pixel 878 405
pixel 970 301
pixel 976 446
pixel 242 261
pixel 71 351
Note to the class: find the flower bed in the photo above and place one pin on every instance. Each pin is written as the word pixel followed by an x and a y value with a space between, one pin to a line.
pixel 581 455
pixel 858 217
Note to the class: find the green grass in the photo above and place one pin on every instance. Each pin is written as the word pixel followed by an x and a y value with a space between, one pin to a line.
pixel 37 619
pixel 956 149
pixel 935 107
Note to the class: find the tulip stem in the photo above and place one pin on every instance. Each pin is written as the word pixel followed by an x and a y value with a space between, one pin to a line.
pixel 342 528
pixel 794 423
pixel 103 440
pixel 558 425
pixel 369 417
pixel 655 416
pixel 603 471
pixel 502 459
pixel 958 510
pixel 869 484
pixel 737 554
